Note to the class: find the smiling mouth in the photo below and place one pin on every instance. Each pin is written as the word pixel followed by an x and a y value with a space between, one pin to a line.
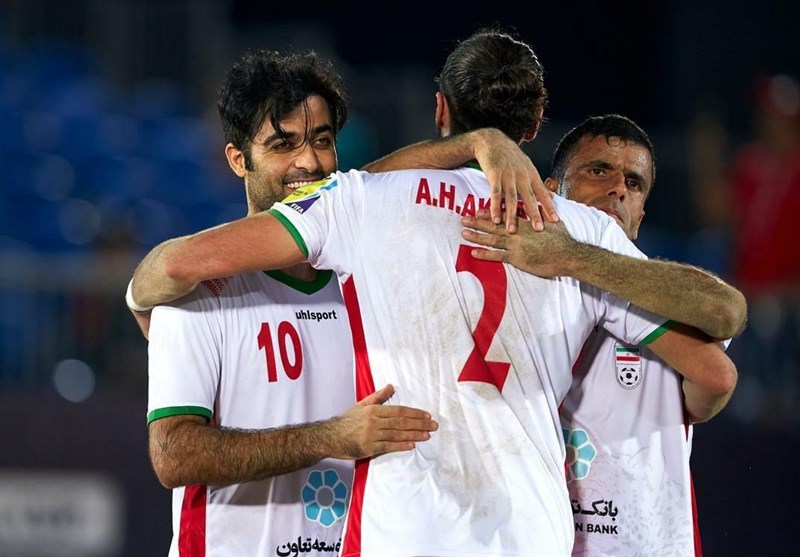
pixel 295 185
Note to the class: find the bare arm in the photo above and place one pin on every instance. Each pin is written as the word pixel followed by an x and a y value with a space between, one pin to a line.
pixel 676 291
pixel 175 267
pixel 709 376
pixel 186 450
pixel 508 169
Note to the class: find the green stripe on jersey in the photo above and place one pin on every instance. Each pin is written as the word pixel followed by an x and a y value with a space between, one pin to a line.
pixel 292 230
pixel 178 411
pixel 658 332
pixel 304 286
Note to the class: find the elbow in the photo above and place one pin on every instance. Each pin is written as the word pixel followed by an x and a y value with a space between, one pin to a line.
pixel 733 316
pixel 727 377
pixel 706 400
pixel 179 270
pixel 165 478
pixel 721 379
pixel 168 475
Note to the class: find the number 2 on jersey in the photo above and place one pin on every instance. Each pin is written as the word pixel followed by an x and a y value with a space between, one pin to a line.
pixel 287 335
pixel 493 279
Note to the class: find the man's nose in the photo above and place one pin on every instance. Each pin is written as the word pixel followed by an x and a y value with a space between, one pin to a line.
pixel 617 186
pixel 307 158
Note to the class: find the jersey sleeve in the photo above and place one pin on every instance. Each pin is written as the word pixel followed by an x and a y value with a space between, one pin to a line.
pixel 622 319
pixel 324 218
pixel 184 359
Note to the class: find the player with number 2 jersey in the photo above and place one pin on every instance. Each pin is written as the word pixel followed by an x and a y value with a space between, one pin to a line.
pixel 486 348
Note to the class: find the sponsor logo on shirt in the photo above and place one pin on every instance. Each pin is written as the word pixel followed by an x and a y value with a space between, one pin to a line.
pixel 629 366
pixel 304 197
pixel 324 496
pixel 294 548
pixel 600 508
pixel 580 453
pixel 316 315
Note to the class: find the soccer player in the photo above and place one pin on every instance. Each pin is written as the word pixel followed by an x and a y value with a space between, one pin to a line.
pixel 485 347
pixel 628 433
pixel 251 416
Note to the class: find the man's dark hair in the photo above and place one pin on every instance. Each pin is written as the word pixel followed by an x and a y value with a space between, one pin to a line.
pixel 492 79
pixel 609 125
pixel 269 85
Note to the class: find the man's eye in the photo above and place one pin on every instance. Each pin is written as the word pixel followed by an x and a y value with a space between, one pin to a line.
pixel 596 171
pixel 634 185
pixel 323 141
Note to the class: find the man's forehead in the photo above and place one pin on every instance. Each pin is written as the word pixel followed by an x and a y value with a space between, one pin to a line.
pixel 312 116
pixel 614 149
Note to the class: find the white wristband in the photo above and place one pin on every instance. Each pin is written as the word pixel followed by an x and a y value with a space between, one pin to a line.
pixel 132 304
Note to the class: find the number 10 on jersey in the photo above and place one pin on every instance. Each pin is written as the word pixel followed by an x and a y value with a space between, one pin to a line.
pixel 286 337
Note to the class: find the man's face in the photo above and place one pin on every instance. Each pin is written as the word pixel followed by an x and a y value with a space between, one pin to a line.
pixel 613 176
pixel 282 164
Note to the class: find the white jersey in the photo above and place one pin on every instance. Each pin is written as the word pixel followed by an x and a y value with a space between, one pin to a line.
pixel 487 349
pixel 257 352
pixel 628 443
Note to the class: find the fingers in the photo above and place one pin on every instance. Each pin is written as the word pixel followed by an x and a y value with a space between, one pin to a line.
pixel 511 206
pixel 548 207
pixel 378 397
pixel 545 198
pixel 487 240
pixel 400 428
pixel 405 417
pixel 482 225
pixel 490 255
pixel 529 202
pixel 496 204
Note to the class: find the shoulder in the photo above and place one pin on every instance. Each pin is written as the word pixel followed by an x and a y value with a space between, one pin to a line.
pixel 583 222
pixel 215 286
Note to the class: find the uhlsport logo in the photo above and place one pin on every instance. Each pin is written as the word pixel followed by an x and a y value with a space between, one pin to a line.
pixel 580 453
pixel 629 366
pixel 324 496
pixel 304 197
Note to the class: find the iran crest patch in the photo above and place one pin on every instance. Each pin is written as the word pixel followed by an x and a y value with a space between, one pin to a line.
pixel 629 366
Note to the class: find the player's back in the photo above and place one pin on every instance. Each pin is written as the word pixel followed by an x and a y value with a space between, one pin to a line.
pixel 485 348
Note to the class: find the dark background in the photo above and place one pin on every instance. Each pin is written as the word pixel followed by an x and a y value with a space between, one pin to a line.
pixel 149 71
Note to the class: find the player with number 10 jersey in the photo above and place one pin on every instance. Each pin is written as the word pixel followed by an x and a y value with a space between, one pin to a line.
pixel 284 345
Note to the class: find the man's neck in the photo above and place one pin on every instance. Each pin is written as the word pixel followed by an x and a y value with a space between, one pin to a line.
pixel 301 271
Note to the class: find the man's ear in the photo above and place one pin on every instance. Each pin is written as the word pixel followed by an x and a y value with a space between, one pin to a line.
pixel 442 114
pixel 235 160
pixel 552 184
pixel 532 133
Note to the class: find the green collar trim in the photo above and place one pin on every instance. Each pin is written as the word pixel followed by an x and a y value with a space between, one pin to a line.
pixel 304 286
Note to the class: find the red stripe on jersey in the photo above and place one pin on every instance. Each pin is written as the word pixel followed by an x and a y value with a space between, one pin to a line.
pixel 628 358
pixel 351 546
pixel 364 383
pixel 364 386
pixel 192 536
pixel 698 546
